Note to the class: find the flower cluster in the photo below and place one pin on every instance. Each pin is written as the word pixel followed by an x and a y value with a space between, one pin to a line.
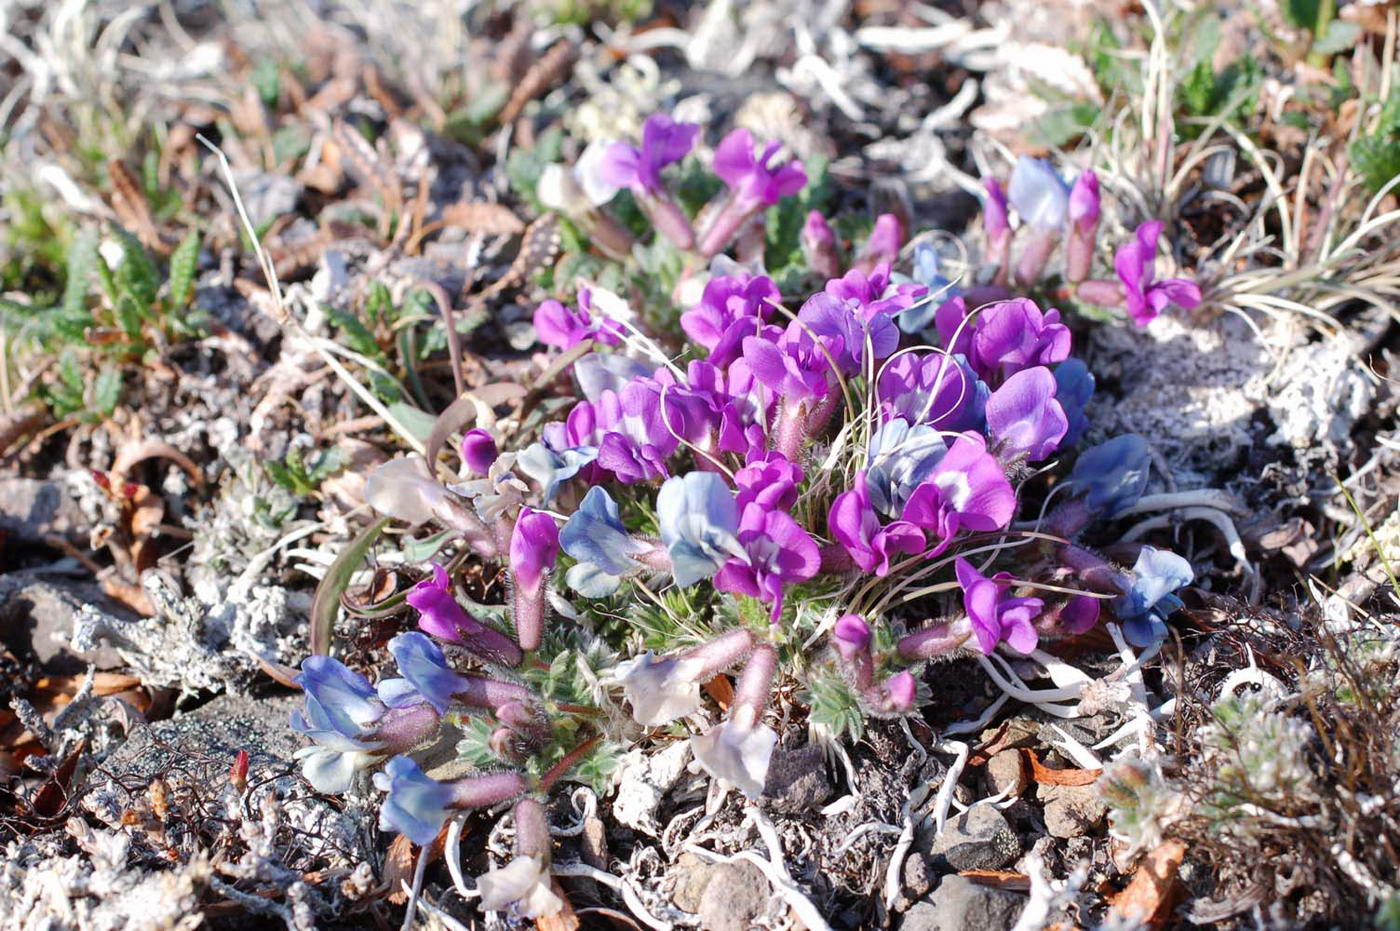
pixel 771 474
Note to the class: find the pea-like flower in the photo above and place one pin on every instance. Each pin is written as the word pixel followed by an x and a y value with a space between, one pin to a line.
pixel 1136 264
pixel 1111 476
pixel 523 886
pixel 606 553
pixel 1157 574
pixel 564 328
pixel 1083 217
pixel 855 525
pixel 966 490
pixel 350 723
pixel 738 750
pixel 699 525
pixel 534 546
pixel 731 307
pixel 995 617
pixel 777 552
pixel 1041 198
pixel 440 614
pixel 1075 387
pixel 898 459
pixel 1014 335
pixel 819 246
pixel 664 141
pixel 416 806
pixel 665 689
pixel 754 182
pixel 479 451
pixel 1024 417
pixel 851 638
pixel 770 481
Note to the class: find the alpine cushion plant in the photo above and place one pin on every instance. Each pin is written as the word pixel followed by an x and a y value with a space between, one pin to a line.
pixel 798 490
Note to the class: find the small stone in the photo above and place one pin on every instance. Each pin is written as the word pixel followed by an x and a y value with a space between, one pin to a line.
pixel 959 904
pixel 689 876
pixel 1006 773
pixel 735 895
pixel 31 509
pixel 643 781
pixel 797 780
pixel 978 839
pixel 917 878
pixel 1072 810
pixel 38 617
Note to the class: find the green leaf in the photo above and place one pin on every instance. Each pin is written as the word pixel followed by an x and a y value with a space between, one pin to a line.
pixel 1198 89
pixel 1339 37
pixel 1377 160
pixel 1302 13
pixel 1061 125
pixel 128 315
pixel 106 391
pixel 266 81
pixel 356 335
pixel 136 274
pixel 184 263
pixel 325 606
pixel 82 263
pixel 417 422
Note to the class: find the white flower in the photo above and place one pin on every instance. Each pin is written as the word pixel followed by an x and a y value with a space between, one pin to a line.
pixel 403 489
pixel 331 770
pixel 737 752
pixel 662 690
pixel 522 885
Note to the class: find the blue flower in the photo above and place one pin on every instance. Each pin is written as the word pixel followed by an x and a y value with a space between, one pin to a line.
pixel 416 806
pixel 424 671
pixel 1157 574
pixel 1075 388
pixel 552 469
pixel 1112 475
pixel 898 460
pixel 341 708
pixel 699 525
pixel 596 538
pixel 926 271
pixel 1038 193
pixel 607 371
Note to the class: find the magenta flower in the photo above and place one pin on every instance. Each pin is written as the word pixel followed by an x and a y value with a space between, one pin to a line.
pixel 896 694
pixel 664 141
pixel 934 389
pixel 851 639
pixel 1083 226
pixel 855 525
pixel 1013 335
pixel 534 546
pixel 754 182
pixel 769 481
pixel 479 450
pixel 871 292
pixel 997 225
pixel 778 552
pixel 819 246
pixel 731 308
pixel 794 368
pixel 842 328
pixel 1024 417
pixel 441 616
pixel 1136 263
pixel 563 327
pixel 996 618
pixel 966 490
pixel 886 238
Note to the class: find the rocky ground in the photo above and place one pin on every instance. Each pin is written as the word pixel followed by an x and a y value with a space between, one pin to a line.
pixel 158 580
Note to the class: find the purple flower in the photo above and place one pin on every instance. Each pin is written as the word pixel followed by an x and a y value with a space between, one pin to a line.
pixel 819 246
pixel 1013 335
pixel 1024 417
pixel 1075 386
pixel 934 389
pixel 794 368
pixel 664 141
pixel 896 695
pixel 777 552
pixel 341 711
pixel 731 308
pixel 441 616
pixel 954 328
pixel 996 618
pixel 1079 614
pixel 479 450
pixel 1038 193
pixel 886 238
pixel 967 490
pixel 851 635
pixel 1157 574
pixel 838 323
pixel 873 292
pixel 855 526
pixel 995 220
pixel 1083 226
pixel 754 182
pixel 534 545
pixel 1083 209
pixel 1135 263
pixel 557 325
pixel 770 481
